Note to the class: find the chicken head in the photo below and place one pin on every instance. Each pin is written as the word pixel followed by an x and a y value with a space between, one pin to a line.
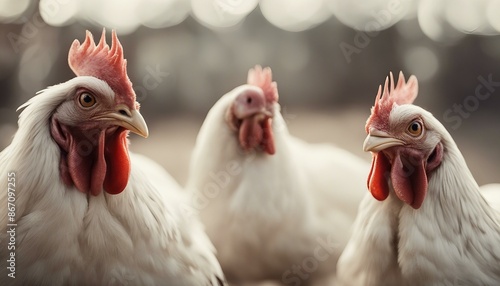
pixel 91 127
pixel 405 147
pixel 252 111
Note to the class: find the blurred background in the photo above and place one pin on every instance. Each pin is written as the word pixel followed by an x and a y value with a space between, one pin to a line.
pixel 328 57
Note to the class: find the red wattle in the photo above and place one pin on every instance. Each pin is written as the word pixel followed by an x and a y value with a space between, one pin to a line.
pixel 98 171
pixel 254 132
pixel 268 139
pixel 118 164
pixel 92 160
pixel 251 133
pixel 79 163
pixel 370 174
pixel 379 172
pixel 410 183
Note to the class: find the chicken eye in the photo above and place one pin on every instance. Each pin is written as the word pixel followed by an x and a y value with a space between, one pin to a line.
pixel 87 100
pixel 415 128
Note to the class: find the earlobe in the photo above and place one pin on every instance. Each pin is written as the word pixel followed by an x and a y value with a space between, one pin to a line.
pixel 59 134
pixel 435 158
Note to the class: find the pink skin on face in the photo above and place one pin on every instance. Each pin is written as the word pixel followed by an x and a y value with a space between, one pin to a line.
pixel 251 116
pixel 408 169
pixel 92 129
pixel 252 111
pixel 403 153
pixel 94 157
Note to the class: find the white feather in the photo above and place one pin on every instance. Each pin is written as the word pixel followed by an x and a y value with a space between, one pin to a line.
pixel 491 193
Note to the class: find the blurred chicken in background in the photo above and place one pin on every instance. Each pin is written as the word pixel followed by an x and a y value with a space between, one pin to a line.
pixel 270 200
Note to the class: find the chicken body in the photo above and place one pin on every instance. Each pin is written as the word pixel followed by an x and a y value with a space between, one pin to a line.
pixel 446 233
pixel 66 235
pixel 284 216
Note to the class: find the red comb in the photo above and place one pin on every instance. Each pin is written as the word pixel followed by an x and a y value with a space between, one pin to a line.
pixel 103 63
pixel 263 78
pixel 403 93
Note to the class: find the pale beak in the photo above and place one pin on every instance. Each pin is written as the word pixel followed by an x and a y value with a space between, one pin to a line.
pixel 378 140
pixel 136 124
pixel 133 122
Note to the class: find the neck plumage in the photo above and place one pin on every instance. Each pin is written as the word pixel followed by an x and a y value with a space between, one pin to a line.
pixel 220 165
pixel 33 156
pixel 454 187
pixel 454 220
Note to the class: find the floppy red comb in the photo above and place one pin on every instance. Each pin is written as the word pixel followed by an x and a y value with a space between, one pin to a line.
pixel 263 78
pixel 105 63
pixel 403 93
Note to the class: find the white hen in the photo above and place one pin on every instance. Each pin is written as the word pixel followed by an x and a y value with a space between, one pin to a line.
pixel 428 224
pixel 85 213
pixel 274 206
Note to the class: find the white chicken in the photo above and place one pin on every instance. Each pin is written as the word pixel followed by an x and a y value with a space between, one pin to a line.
pixel 85 213
pixel 428 224
pixel 275 207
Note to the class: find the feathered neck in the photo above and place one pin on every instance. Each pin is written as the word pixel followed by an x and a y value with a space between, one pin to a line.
pixel 453 174
pixel 217 155
pixel 454 187
pixel 453 230
pixel 217 140
pixel 33 155
pixel 37 111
